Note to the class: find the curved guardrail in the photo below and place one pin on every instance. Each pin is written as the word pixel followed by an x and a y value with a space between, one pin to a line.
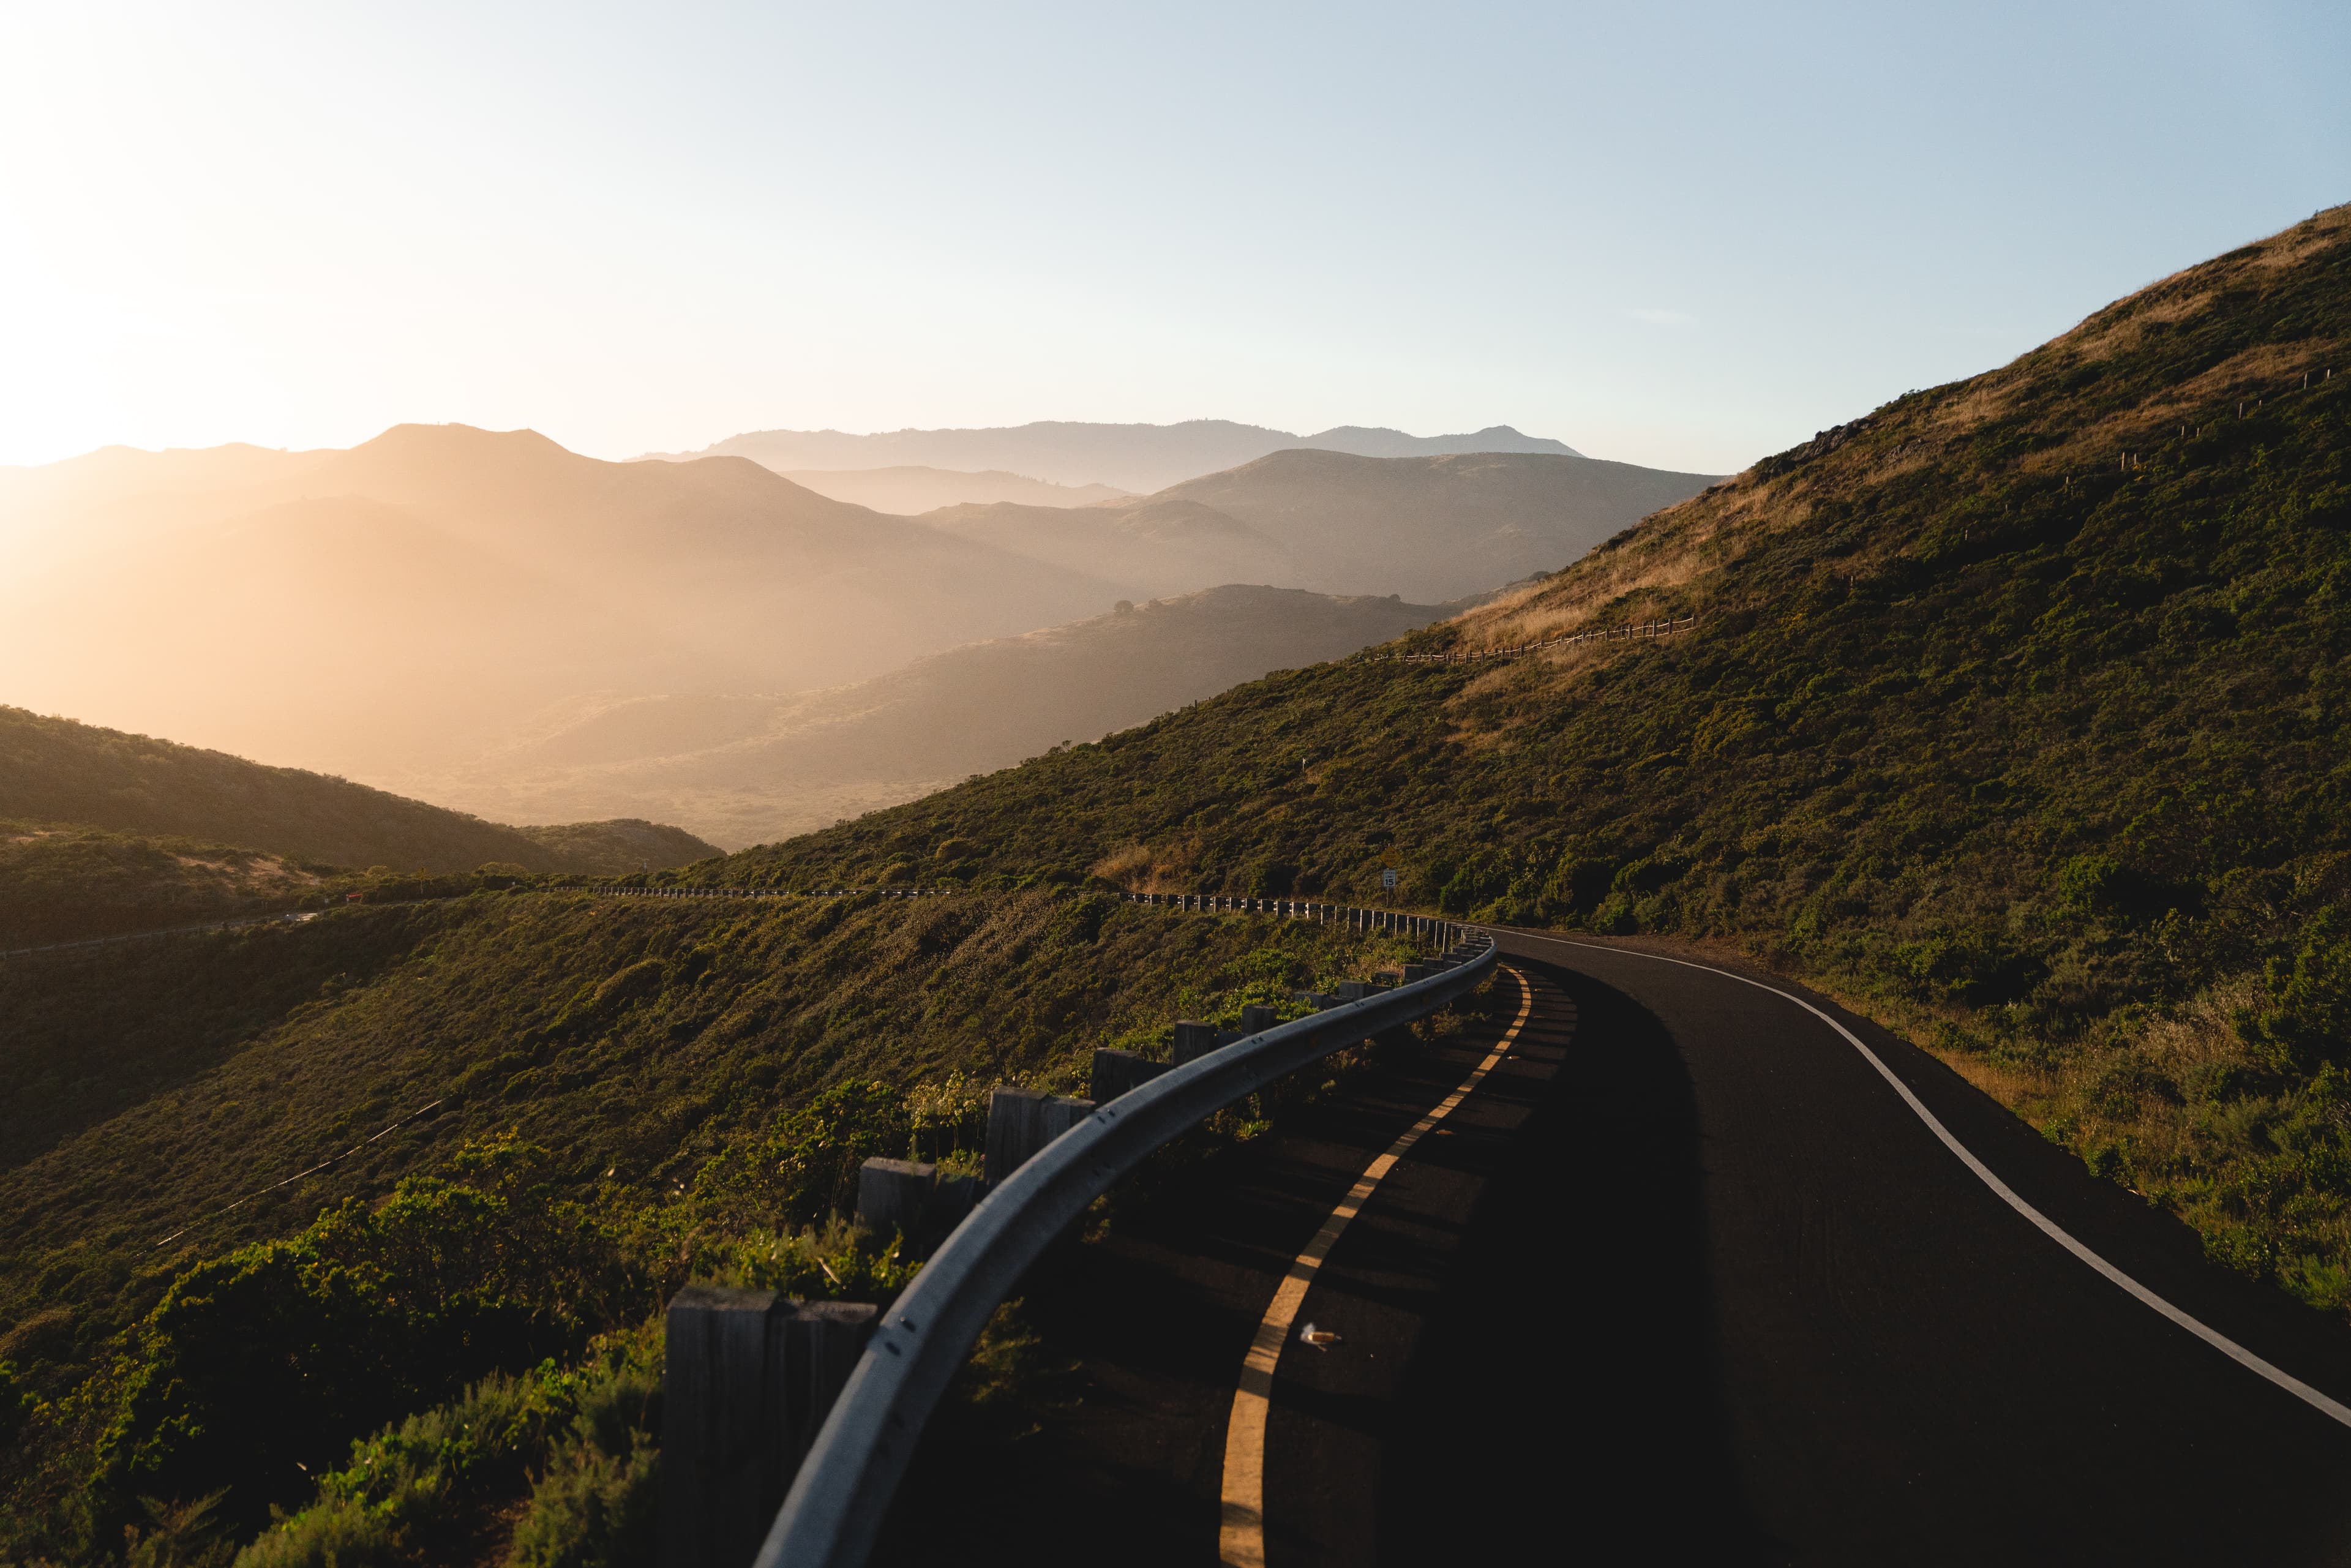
pixel 837 1502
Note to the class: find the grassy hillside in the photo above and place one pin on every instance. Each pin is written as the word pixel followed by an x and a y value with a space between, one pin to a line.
pixel 2016 711
pixel 55 771
pixel 749 771
pixel 627 1090
pixel 69 884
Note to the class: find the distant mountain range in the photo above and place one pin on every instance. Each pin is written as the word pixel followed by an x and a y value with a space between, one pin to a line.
pixel 912 490
pixel 745 769
pixel 1140 458
pixel 1435 528
pixel 433 596
pixel 402 602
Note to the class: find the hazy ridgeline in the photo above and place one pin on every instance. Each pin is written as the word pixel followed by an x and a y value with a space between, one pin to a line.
pixel 1133 457
pixel 750 769
pixel 425 610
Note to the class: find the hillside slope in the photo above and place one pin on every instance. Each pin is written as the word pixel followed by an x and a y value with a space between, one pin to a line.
pixel 748 769
pixel 1136 457
pixel 2015 710
pixel 615 1095
pixel 53 771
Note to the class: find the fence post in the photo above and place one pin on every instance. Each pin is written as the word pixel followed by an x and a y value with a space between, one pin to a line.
pixel 1116 1072
pixel 891 1194
pixel 1022 1121
pixel 747 1382
pixel 1012 1120
pixel 1193 1039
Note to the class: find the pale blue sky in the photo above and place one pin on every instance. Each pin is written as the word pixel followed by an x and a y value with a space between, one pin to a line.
pixel 1677 235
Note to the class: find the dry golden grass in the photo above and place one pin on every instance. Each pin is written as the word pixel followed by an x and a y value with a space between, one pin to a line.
pixel 2199 1034
pixel 2013 1086
pixel 1148 868
pixel 2258 371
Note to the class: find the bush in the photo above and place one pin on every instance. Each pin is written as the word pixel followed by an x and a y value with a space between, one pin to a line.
pixel 255 1367
pixel 2308 1020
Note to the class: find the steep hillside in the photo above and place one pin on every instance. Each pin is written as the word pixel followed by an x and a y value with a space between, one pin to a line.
pixel 750 769
pixel 1136 457
pixel 910 490
pixel 570 1103
pixel 1428 529
pixel 2016 710
pixel 417 598
pixel 55 771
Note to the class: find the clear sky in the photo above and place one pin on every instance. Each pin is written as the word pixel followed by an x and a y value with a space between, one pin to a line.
pixel 1677 235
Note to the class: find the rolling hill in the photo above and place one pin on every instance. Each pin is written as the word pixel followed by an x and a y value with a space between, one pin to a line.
pixel 409 600
pixel 1430 529
pixel 1141 458
pixel 746 769
pixel 55 771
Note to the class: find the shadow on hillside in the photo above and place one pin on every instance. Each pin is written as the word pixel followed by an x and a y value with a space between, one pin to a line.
pixel 95 1032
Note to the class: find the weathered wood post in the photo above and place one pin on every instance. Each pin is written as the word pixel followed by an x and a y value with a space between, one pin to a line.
pixel 1256 1020
pixel 1022 1121
pixel 750 1379
pixel 1116 1072
pixel 895 1194
pixel 1193 1039
pixel 911 1197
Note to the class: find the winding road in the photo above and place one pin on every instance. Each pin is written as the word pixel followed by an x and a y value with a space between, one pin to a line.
pixel 1684 1275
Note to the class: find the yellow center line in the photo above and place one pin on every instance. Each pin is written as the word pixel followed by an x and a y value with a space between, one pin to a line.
pixel 1241 1542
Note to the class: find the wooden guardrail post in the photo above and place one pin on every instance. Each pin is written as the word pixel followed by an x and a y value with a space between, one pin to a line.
pixel 1116 1072
pixel 1022 1121
pixel 912 1198
pixel 1193 1039
pixel 895 1194
pixel 747 1383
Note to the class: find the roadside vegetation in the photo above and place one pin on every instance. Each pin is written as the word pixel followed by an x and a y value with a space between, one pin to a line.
pixel 630 1094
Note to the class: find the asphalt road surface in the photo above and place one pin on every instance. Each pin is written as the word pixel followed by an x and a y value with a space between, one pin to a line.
pixel 1685 1280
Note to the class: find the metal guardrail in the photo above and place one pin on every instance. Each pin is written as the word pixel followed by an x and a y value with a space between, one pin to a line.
pixel 838 1499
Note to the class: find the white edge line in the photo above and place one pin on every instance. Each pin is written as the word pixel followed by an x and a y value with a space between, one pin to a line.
pixel 2049 1227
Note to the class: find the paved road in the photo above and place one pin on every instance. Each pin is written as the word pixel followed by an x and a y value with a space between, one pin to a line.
pixel 1885 1362
pixel 1687 1280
